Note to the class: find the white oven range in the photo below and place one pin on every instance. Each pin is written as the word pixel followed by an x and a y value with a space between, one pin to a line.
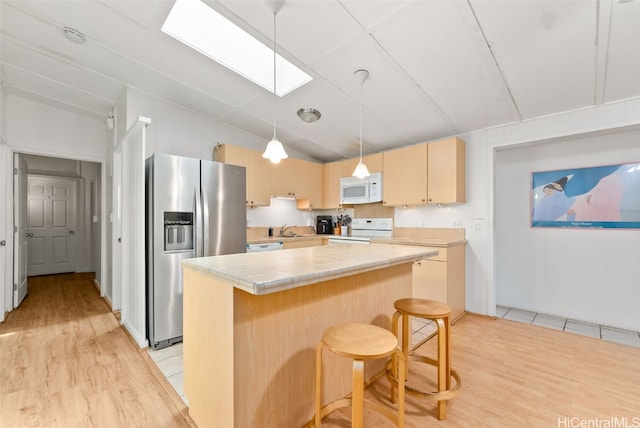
pixel 363 229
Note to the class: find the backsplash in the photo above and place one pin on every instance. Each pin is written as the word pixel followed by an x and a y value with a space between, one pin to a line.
pixel 262 232
pixel 282 211
pixel 429 233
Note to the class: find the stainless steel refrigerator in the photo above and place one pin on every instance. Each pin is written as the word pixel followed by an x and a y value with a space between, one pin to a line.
pixel 194 208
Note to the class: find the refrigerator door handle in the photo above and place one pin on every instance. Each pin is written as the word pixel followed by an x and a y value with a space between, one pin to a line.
pixel 205 223
pixel 198 223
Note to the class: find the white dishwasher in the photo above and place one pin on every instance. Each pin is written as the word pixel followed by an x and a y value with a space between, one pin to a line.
pixel 265 246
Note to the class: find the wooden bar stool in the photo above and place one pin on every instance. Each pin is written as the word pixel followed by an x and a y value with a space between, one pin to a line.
pixel 359 342
pixel 440 314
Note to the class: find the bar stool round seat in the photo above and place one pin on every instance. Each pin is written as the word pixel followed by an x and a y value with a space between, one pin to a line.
pixel 359 342
pixel 439 313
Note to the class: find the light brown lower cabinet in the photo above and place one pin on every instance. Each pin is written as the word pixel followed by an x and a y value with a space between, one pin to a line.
pixel 442 278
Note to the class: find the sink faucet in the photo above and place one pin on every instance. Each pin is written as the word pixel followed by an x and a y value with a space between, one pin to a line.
pixel 284 228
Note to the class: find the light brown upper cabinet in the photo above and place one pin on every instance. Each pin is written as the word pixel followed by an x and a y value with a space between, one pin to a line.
pixel 331 173
pixel 290 178
pixel 373 163
pixel 427 173
pixel 405 176
pixel 258 171
pixel 446 171
pixel 314 196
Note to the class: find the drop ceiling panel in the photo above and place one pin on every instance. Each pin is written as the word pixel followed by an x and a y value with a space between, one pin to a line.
pixel 143 13
pixel 546 50
pixel 306 30
pixel 154 57
pixel 433 44
pixel 66 73
pixel 18 81
pixel 370 13
pixel 336 129
pixel 432 71
pixel 389 93
pixel 623 66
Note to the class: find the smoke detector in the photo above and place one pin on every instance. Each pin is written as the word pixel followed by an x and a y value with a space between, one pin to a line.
pixel 73 35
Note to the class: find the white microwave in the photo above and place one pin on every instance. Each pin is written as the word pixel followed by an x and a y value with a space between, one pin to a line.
pixel 355 190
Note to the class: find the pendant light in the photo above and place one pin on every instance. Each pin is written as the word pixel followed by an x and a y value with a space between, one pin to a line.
pixel 361 170
pixel 274 151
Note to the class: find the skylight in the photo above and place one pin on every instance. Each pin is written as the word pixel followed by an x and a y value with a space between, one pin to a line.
pixel 198 26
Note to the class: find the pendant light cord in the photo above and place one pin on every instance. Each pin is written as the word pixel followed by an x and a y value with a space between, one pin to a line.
pixel 274 75
pixel 361 84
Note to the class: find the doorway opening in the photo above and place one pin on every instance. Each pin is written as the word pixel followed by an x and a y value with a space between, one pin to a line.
pixel 57 206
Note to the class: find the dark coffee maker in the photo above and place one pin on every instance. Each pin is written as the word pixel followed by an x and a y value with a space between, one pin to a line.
pixel 324 225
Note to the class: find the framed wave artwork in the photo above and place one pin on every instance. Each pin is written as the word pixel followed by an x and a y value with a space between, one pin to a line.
pixel 606 197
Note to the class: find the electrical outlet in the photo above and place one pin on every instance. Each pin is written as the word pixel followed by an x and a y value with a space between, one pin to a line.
pixel 457 224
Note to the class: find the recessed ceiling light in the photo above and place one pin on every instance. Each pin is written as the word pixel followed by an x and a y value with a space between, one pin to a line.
pixel 309 114
pixel 198 26
pixel 73 35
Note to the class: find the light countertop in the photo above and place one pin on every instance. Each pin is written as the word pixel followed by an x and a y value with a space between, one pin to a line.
pixel 272 271
pixel 427 242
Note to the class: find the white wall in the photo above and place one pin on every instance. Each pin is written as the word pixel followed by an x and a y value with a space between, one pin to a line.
pixel 180 132
pixel 582 274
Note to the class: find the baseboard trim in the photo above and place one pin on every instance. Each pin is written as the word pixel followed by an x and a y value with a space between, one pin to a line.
pixel 168 388
pixel 141 341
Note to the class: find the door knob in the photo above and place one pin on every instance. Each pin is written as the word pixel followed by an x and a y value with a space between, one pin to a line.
pixel 28 235
pixel 71 232
pixel 3 243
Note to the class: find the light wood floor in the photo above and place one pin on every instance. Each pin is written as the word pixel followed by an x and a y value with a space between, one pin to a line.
pixel 519 375
pixel 66 362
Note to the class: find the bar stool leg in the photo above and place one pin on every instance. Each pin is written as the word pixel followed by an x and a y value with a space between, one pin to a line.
pixel 401 393
pixel 406 335
pixel 357 403
pixel 444 367
pixel 318 416
pixel 394 357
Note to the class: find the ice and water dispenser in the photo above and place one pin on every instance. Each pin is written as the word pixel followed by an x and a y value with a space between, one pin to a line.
pixel 178 231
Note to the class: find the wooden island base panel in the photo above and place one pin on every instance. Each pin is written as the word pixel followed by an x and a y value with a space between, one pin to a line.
pixel 249 359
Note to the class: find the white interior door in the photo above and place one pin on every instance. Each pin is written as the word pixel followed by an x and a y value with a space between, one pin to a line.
pixel 21 239
pixel 51 225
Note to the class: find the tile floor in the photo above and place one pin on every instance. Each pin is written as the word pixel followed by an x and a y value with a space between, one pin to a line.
pixel 609 334
pixel 169 359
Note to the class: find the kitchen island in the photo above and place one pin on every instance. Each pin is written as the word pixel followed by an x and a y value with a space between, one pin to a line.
pixel 252 323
